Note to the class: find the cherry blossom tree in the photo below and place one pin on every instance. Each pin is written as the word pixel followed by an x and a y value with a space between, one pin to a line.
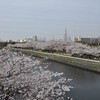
pixel 26 78
pixel 60 45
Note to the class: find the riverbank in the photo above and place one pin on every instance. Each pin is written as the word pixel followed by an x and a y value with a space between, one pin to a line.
pixel 87 64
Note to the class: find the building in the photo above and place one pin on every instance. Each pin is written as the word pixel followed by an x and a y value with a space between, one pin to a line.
pixel 77 39
pixel 34 38
pixel 92 41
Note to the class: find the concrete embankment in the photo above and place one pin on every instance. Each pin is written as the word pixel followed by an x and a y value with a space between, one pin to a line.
pixel 87 64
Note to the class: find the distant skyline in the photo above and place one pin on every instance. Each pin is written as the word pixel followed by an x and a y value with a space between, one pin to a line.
pixel 21 19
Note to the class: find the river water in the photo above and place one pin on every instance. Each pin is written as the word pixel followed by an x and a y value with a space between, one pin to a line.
pixel 86 83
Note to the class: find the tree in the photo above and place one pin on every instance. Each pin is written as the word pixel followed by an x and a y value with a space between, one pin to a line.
pixel 23 78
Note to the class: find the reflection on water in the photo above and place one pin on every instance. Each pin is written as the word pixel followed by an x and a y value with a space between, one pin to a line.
pixel 86 83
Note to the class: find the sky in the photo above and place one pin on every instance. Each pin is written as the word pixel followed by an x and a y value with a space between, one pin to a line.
pixel 21 19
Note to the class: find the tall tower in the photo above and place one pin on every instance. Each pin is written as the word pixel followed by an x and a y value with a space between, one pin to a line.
pixel 65 37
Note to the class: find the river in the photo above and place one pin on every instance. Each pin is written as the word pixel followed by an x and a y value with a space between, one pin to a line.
pixel 86 83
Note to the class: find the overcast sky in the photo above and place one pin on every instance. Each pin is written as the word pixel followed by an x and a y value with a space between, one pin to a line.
pixel 25 18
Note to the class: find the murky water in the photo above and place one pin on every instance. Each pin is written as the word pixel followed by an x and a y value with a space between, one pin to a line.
pixel 86 83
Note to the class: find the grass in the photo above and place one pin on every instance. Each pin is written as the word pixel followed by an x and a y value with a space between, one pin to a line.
pixel 76 62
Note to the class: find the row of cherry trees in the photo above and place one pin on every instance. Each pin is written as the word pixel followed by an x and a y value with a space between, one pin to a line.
pixel 59 45
pixel 26 78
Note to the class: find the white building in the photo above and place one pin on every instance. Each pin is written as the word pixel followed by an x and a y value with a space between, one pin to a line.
pixel 77 39
pixel 34 38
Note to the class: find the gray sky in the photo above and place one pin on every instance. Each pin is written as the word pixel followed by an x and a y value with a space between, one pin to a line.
pixel 24 18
